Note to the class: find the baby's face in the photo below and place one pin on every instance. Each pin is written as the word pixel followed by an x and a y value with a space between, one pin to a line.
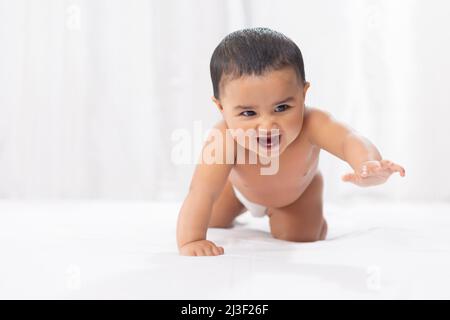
pixel 263 104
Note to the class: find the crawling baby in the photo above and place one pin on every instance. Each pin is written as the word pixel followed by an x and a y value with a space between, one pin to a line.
pixel 263 156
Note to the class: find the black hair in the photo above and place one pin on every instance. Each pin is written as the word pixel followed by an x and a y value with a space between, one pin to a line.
pixel 254 51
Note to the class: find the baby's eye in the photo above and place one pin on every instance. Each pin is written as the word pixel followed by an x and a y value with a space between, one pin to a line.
pixel 282 107
pixel 246 113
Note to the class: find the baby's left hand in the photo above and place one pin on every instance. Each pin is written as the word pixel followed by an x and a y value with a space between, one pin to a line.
pixel 373 173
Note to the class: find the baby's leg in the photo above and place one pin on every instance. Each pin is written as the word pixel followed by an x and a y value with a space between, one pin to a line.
pixel 226 208
pixel 302 220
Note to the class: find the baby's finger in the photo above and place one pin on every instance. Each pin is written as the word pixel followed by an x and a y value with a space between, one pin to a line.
pixel 364 171
pixel 221 250
pixel 386 163
pixel 349 177
pixel 209 251
pixel 202 252
pixel 215 250
pixel 397 168
pixel 370 168
pixel 393 167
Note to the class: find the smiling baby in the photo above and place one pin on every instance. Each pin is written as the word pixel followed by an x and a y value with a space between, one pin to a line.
pixel 259 87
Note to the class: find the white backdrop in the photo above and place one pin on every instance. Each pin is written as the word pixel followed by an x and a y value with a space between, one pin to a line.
pixel 91 90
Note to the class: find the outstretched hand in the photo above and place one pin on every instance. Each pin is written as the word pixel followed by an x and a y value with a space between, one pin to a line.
pixel 372 173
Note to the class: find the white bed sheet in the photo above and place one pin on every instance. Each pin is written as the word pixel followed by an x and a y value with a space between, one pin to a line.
pixel 117 250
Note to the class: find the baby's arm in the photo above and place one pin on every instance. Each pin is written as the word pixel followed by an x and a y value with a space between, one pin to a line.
pixel 344 142
pixel 206 185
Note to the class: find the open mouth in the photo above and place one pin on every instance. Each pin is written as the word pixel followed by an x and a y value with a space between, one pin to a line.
pixel 269 142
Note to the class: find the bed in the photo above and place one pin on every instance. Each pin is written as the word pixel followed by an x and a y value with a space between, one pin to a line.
pixel 127 250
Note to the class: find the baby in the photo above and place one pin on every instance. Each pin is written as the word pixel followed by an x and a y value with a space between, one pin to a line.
pixel 260 88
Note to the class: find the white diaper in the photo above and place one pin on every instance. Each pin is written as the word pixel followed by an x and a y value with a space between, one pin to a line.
pixel 255 209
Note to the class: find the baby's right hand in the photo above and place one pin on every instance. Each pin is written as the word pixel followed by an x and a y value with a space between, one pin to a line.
pixel 201 248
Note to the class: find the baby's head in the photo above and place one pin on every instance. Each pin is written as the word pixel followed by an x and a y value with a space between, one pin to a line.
pixel 259 83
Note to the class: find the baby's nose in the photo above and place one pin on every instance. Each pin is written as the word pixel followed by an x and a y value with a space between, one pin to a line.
pixel 267 126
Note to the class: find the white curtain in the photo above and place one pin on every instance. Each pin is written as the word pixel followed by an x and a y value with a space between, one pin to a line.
pixel 92 90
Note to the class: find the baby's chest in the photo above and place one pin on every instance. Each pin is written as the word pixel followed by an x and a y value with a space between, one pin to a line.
pixel 292 169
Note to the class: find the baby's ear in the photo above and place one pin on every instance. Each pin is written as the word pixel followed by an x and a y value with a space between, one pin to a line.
pixel 306 86
pixel 217 102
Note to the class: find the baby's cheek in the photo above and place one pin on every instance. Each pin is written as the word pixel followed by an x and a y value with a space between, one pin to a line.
pixel 292 135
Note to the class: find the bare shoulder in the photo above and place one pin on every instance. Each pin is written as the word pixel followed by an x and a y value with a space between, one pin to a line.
pixel 314 116
pixel 215 162
pixel 314 119
pixel 222 139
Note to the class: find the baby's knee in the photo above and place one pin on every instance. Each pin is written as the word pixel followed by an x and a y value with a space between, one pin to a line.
pixel 324 231
pixel 296 237
pixel 311 234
